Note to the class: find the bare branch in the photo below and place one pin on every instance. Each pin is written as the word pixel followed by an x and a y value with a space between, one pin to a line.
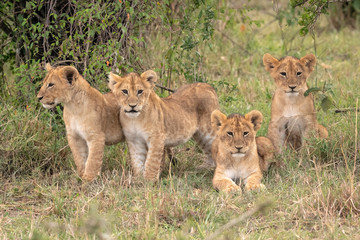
pixel 318 12
pixel 165 88
pixel 343 110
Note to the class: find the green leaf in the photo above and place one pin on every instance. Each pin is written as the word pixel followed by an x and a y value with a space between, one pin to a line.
pixel 310 90
pixel 326 103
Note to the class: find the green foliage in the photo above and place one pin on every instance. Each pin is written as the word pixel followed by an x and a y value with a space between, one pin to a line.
pixel 344 13
pixel 311 10
pixel 188 27
pixel 325 95
pixel 96 37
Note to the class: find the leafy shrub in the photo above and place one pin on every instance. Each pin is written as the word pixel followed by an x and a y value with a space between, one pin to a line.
pixel 99 37
pixel 96 37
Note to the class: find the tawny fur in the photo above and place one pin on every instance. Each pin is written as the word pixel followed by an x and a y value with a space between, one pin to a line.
pixel 237 152
pixel 266 152
pixel 151 123
pixel 293 116
pixel 91 118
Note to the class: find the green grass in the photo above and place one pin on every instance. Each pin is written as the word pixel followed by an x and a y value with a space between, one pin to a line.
pixel 314 193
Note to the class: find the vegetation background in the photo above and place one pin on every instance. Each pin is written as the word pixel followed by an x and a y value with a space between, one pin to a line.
pixel 312 194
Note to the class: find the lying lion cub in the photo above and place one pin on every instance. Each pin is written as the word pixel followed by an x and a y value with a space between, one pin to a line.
pixel 236 151
pixel 91 118
pixel 293 116
pixel 151 123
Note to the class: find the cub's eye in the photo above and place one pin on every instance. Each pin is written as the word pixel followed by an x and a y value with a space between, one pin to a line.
pixel 231 134
pixel 50 85
pixel 283 74
pixel 298 73
pixel 125 91
pixel 140 92
pixel 246 134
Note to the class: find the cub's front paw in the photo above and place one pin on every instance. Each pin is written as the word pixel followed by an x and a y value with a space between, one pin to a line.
pixel 255 186
pixel 232 188
pixel 88 177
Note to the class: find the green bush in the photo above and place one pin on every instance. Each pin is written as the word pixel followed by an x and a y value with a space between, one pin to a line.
pixel 96 37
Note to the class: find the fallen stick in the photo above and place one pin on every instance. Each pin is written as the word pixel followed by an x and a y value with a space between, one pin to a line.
pixel 165 88
pixel 341 110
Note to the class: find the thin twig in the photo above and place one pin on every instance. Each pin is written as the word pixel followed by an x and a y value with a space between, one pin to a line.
pixel 64 61
pixel 356 140
pixel 340 1
pixel 52 155
pixel 259 208
pixel 318 13
pixel 165 88
pixel 342 110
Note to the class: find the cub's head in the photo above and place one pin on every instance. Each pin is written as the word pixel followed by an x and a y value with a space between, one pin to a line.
pixel 57 85
pixel 132 91
pixel 236 132
pixel 290 73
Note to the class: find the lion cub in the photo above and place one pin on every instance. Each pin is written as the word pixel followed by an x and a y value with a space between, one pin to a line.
pixel 91 118
pixel 236 151
pixel 293 116
pixel 151 123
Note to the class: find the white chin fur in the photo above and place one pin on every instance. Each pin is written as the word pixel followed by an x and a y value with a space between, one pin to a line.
pixel 238 155
pixel 292 94
pixel 132 114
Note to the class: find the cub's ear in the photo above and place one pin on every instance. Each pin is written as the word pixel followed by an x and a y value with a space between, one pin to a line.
pixel 217 119
pixel 270 62
pixel 113 79
pixel 256 118
pixel 309 61
pixel 48 67
pixel 71 74
pixel 150 76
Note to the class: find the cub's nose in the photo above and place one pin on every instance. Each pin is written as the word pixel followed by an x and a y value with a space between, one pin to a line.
pixel 238 148
pixel 292 87
pixel 40 97
pixel 132 105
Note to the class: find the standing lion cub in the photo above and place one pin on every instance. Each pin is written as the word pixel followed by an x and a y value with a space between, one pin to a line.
pixel 151 123
pixel 237 152
pixel 91 118
pixel 293 116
